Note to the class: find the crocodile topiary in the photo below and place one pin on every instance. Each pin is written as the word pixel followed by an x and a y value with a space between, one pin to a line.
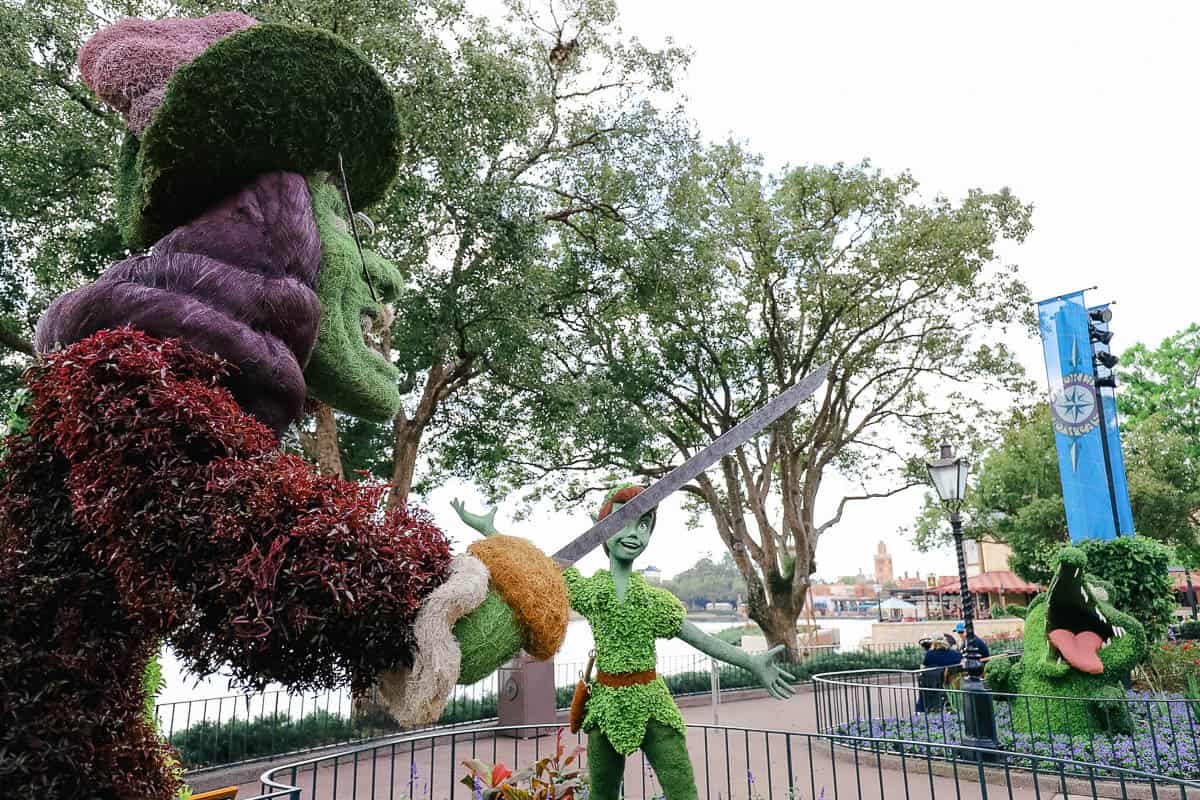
pixel 1077 645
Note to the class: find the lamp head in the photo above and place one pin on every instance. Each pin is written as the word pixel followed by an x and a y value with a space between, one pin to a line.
pixel 948 474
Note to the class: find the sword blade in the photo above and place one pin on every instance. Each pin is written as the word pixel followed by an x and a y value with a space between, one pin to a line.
pixel 723 445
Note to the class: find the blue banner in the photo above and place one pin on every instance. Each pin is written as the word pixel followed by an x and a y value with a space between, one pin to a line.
pixel 1075 408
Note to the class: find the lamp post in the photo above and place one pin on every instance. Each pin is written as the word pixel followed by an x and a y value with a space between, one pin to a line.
pixel 878 604
pixel 1191 591
pixel 948 474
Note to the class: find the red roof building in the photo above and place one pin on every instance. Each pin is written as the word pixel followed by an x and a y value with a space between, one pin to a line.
pixel 994 582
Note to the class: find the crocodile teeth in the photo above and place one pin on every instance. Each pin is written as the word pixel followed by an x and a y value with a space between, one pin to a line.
pixel 1100 614
pixel 1118 630
pixel 1060 661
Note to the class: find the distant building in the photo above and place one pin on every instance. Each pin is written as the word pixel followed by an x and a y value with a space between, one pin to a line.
pixel 652 574
pixel 985 556
pixel 883 564
pixel 988 577
pixel 817 601
pixel 849 597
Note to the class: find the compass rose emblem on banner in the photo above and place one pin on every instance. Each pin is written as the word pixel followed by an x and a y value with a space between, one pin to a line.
pixel 1074 407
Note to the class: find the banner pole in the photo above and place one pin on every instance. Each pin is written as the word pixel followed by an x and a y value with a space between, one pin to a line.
pixel 1108 468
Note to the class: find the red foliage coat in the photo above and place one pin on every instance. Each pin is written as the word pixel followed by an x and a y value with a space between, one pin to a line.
pixel 143 504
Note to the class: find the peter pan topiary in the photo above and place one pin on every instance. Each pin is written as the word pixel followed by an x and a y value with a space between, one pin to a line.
pixel 1078 647
pixel 624 631
pixel 629 706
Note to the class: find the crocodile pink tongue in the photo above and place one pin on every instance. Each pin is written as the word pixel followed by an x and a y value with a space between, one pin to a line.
pixel 1081 650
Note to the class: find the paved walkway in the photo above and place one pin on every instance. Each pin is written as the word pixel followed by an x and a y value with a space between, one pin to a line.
pixel 729 765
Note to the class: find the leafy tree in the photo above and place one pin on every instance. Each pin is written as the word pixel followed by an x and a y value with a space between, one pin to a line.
pixel 1165 383
pixel 708 581
pixel 1016 495
pixel 746 283
pixel 514 133
pixel 57 167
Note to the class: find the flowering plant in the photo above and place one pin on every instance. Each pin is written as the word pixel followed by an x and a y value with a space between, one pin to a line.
pixel 554 777
pixel 1163 740
pixel 1170 667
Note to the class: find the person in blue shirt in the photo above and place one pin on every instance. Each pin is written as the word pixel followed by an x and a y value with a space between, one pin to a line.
pixel 980 644
pixel 939 656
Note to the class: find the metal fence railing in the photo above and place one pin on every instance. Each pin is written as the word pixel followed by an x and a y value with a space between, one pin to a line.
pixel 225 730
pixel 1141 731
pixel 729 763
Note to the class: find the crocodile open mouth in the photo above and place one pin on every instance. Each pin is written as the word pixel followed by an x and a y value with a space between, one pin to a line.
pixel 1075 625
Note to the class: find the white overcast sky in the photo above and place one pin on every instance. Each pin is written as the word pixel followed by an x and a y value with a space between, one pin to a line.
pixel 1086 110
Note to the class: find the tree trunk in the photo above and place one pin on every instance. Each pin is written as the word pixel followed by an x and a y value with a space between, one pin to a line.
pixel 404 461
pixel 779 627
pixel 329 460
pixel 329 457
pixel 778 623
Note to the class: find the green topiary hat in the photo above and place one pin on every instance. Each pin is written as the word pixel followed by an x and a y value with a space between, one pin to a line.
pixel 263 98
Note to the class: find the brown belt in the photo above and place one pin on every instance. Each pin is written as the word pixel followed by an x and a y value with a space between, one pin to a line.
pixel 623 679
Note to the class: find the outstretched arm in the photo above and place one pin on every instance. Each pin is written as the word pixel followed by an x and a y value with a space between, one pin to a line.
pixel 763 666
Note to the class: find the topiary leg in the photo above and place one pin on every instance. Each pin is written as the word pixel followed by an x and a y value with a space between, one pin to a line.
pixel 606 768
pixel 1111 710
pixel 666 750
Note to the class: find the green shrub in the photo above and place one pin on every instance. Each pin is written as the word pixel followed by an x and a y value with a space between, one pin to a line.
pixel 1136 569
pixel 152 684
pixel 207 743
pixel 734 635
pixel 999 611
pixel 476 708
pixel 304 96
pixel 1007 643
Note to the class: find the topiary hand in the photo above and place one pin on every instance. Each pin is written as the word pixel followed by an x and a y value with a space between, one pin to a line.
pixel 485 524
pixel 777 682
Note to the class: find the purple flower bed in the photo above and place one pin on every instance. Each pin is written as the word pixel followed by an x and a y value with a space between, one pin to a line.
pixel 1165 741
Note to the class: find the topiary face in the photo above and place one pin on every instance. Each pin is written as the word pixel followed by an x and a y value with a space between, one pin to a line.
pixel 633 539
pixel 345 371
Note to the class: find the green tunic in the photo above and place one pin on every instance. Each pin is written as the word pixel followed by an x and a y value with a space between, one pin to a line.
pixel 625 634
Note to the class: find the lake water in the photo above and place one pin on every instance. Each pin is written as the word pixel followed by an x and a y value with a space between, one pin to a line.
pixel 571 656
